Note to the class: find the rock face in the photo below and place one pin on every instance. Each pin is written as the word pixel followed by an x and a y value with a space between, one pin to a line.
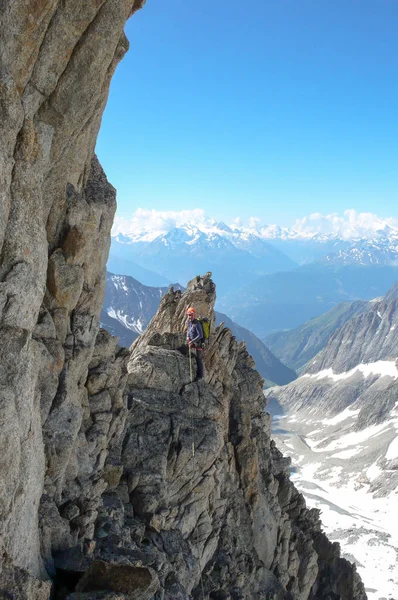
pixel 101 494
pixel 56 211
pixel 367 338
pixel 205 495
pixel 340 428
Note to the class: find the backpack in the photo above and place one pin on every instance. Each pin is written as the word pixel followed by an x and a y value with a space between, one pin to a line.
pixel 205 322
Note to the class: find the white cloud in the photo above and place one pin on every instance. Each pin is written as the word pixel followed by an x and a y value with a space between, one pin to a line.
pixel 350 224
pixel 254 222
pixel 154 220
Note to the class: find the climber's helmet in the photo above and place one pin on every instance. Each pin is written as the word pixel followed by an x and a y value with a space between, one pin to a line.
pixel 191 312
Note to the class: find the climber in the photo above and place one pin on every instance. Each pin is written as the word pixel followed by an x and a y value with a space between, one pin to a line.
pixel 194 340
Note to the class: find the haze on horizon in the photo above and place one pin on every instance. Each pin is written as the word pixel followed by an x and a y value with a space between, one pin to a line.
pixel 278 112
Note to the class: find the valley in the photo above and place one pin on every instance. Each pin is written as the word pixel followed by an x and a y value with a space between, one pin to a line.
pixel 338 478
pixel 339 422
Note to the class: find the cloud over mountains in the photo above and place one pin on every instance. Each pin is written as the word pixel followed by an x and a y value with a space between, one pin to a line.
pixel 348 225
pixel 351 224
pixel 155 220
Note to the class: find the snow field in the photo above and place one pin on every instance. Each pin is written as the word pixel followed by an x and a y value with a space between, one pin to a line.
pixel 365 526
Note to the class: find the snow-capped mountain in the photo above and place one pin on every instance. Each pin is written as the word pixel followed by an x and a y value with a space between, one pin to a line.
pixel 233 256
pixel 382 250
pixel 129 306
pixel 259 282
pixel 339 423
pixel 360 246
pixel 240 254
pixel 364 248
pixel 379 231
pixel 209 229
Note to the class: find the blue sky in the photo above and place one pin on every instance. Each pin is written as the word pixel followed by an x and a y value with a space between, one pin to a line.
pixel 268 109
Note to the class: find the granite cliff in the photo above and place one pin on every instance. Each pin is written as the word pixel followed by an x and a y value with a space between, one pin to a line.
pixel 101 494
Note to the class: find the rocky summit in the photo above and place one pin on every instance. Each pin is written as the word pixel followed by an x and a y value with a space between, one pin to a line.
pixel 120 477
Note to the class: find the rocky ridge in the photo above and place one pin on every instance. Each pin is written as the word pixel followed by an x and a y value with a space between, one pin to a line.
pixel 236 525
pixel 129 306
pixel 100 495
pixel 56 212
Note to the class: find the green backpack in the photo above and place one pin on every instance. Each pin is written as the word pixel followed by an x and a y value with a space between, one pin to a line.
pixel 205 322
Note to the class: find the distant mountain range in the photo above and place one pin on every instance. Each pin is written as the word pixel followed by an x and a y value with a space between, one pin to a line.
pixel 118 264
pixel 382 250
pixel 296 347
pixel 234 258
pixel 215 246
pixel 268 279
pixel 129 306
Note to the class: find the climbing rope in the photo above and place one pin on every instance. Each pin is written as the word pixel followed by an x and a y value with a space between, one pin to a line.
pixel 190 362
pixel 193 467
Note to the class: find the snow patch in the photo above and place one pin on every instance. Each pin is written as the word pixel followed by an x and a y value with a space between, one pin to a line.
pixel 355 437
pixel 347 453
pixel 364 526
pixel 119 283
pixel 392 451
pixel 380 367
pixel 373 472
pixel 345 414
